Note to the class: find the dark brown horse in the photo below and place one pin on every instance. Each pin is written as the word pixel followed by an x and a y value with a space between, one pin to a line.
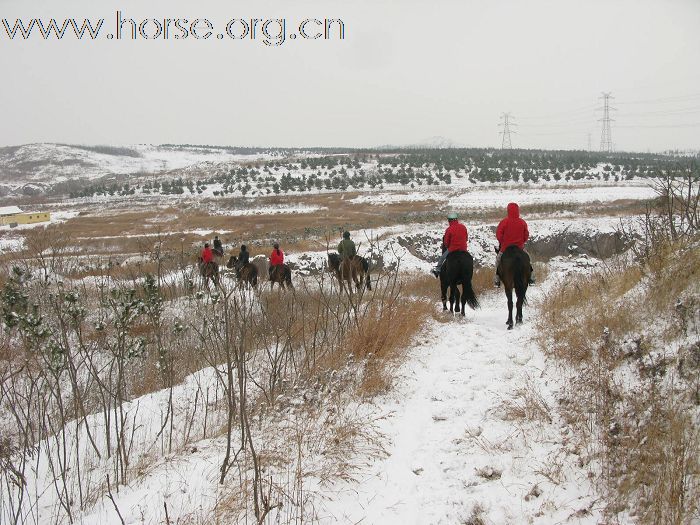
pixel 514 271
pixel 356 269
pixel 458 270
pixel 245 273
pixel 282 275
pixel 208 271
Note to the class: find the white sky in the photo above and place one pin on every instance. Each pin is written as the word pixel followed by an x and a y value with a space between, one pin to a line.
pixel 407 71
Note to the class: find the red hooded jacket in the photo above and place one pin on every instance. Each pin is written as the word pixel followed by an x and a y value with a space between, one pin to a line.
pixel 455 238
pixel 276 258
pixel 207 255
pixel 512 229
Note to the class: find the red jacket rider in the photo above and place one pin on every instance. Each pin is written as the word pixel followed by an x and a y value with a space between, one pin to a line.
pixel 277 256
pixel 455 238
pixel 207 254
pixel 512 229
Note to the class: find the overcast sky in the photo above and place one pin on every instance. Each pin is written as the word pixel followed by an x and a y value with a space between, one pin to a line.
pixel 407 71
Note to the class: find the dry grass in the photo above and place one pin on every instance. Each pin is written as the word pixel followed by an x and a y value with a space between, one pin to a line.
pixel 583 312
pixel 525 404
pixel 382 339
pixel 642 431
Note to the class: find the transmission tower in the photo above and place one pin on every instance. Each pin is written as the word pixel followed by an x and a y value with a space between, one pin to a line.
pixel 605 135
pixel 506 123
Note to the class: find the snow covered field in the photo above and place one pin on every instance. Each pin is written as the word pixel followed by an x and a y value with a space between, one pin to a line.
pixel 452 447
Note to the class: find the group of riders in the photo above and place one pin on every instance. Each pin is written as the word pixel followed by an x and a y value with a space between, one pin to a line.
pixel 208 253
pixel 511 231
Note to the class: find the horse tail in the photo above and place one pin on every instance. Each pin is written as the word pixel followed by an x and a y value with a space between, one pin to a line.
pixel 365 269
pixel 468 291
pixel 519 278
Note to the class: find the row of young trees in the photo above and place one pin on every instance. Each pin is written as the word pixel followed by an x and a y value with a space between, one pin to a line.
pixel 75 355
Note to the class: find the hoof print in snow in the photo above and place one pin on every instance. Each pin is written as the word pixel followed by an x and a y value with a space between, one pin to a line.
pixel 535 492
pixel 439 418
pixel 418 471
pixel 489 473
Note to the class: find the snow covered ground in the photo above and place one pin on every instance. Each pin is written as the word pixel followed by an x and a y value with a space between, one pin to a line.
pixel 490 197
pixel 452 447
pixel 454 444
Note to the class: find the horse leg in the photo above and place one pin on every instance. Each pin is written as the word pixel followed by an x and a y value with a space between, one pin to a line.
pixel 457 297
pixel 519 310
pixel 464 299
pixel 443 295
pixel 509 295
pixel 452 299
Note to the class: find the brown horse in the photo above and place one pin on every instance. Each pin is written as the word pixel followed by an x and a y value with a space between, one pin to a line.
pixel 282 275
pixel 514 271
pixel 245 273
pixel 356 269
pixel 209 271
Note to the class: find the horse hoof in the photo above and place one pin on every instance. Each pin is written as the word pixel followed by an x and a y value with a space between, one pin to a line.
pixel 510 326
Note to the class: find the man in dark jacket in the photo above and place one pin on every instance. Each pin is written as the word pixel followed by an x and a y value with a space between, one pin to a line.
pixel 218 247
pixel 454 240
pixel 346 248
pixel 243 256
pixel 511 231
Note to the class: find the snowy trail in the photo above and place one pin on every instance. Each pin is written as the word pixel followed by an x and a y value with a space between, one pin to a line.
pixel 450 448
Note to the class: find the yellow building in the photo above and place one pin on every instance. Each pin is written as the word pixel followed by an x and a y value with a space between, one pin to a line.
pixel 12 215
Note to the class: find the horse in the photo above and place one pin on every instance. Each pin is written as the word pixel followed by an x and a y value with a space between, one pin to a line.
pixel 356 269
pixel 514 271
pixel 262 263
pixel 280 274
pixel 209 271
pixel 458 269
pixel 245 273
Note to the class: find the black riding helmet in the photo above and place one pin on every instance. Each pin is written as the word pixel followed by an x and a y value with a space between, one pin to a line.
pixel 346 235
pixel 243 247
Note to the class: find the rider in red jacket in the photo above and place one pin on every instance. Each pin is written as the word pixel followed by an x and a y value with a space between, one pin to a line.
pixel 511 231
pixel 207 255
pixel 276 257
pixel 454 240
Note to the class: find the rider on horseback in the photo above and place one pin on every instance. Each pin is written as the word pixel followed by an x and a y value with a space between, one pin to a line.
pixel 243 256
pixel 276 258
pixel 218 247
pixel 207 255
pixel 454 240
pixel 346 248
pixel 511 231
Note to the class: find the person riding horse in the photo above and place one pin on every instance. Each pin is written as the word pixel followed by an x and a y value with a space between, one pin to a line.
pixel 207 255
pixel 276 258
pixel 511 231
pixel 218 247
pixel 454 240
pixel 346 247
pixel 243 256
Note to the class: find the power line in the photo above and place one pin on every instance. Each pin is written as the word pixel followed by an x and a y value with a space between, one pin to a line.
pixel 505 134
pixel 664 100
